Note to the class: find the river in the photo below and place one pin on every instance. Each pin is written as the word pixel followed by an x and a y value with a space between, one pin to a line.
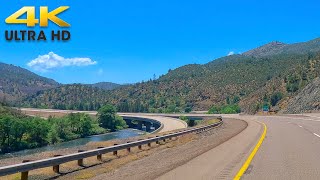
pixel 122 134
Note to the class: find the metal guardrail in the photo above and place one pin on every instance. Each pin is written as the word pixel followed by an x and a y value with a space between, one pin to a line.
pixel 24 168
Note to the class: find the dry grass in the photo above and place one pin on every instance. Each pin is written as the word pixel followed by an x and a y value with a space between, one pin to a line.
pixel 208 122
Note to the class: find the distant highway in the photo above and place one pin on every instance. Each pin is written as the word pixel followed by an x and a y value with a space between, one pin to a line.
pixel 168 123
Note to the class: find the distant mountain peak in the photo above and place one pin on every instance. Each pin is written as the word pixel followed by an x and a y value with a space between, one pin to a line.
pixel 267 49
pixel 106 85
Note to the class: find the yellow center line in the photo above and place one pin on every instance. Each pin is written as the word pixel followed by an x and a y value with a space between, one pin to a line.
pixel 253 153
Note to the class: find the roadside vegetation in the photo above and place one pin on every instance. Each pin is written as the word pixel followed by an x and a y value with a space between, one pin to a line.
pixel 18 131
pixel 197 122
pixel 190 122
pixel 231 106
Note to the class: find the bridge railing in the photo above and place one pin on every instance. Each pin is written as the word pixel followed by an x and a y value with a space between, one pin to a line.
pixel 25 167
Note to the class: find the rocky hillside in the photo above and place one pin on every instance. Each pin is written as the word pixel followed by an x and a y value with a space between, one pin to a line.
pixel 16 83
pixel 307 100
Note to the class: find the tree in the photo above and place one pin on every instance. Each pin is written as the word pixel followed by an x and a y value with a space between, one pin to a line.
pixel 236 99
pixel 53 136
pixel 275 98
pixel 109 120
pixel 188 109
pixel 214 110
pixel 38 133
pixel 85 125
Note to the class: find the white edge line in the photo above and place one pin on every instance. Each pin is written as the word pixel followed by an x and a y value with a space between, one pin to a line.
pixel 316 134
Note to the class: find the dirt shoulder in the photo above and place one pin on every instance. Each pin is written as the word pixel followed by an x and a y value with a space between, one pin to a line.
pixel 160 162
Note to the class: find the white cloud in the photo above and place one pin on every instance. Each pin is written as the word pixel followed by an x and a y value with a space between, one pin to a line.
pixel 51 60
pixel 231 53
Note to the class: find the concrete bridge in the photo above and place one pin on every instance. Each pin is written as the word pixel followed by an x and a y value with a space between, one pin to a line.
pixel 154 123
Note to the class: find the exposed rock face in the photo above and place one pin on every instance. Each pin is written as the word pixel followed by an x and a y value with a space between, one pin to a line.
pixel 307 100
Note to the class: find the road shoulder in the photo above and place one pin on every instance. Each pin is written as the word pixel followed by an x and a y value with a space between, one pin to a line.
pixel 160 163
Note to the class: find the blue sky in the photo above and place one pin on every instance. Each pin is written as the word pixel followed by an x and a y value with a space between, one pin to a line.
pixel 129 41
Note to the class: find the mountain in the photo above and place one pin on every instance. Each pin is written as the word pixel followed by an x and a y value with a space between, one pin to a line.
pixel 265 50
pixel 269 75
pixel 17 82
pixel 105 85
pixel 277 48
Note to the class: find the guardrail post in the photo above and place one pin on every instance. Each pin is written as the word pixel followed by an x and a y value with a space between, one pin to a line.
pixel 164 140
pixel 56 168
pixel 157 142
pixel 140 146
pixel 129 149
pixel 149 144
pixel 24 175
pixel 80 161
pixel 99 156
pixel 115 153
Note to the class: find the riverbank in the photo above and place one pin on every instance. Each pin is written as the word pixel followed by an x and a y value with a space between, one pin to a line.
pixel 66 147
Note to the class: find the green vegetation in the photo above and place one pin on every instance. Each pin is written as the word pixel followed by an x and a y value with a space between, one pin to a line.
pixel 18 131
pixel 108 119
pixel 275 98
pixel 225 109
pixel 190 122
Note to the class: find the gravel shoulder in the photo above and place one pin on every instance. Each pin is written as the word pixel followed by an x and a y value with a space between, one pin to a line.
pixel 161 162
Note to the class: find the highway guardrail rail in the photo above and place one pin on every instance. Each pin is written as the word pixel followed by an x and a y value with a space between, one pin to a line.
pixel 54 162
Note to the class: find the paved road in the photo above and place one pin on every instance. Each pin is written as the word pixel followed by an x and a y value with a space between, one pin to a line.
pixel 289 151
pixel 168 123
pixel 222 162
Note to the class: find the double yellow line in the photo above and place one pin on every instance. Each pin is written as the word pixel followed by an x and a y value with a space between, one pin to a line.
pixel 252 154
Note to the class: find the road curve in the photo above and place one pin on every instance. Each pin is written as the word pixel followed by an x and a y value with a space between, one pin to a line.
pixel 290 150
pixel 222 162
pixel 168 123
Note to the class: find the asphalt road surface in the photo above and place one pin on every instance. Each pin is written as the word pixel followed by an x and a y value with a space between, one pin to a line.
pixel 291 150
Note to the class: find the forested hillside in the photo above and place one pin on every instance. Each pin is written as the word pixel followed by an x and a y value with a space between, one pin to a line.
pixel 105 85
pixel 267 76
pixel 74 96
pixel 16 83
